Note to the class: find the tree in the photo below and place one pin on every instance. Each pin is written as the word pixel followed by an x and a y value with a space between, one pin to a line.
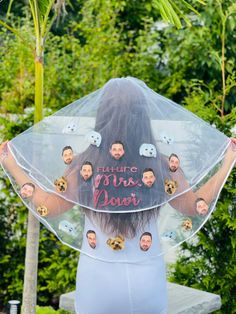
pixel 42 23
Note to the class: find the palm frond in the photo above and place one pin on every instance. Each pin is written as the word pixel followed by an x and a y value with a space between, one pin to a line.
pixel 43 6
pixel 171 12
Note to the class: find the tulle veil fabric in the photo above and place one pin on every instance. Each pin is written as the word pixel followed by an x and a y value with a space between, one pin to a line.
pixel 121 157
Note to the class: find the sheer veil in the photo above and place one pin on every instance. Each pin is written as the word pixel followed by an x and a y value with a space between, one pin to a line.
pixel 121 156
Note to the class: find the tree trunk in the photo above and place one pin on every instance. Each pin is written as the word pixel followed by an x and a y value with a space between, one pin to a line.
pixel 31 266
pixel 31 259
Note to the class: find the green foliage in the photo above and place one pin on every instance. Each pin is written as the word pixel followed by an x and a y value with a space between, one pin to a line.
pixel 17 72
pixel 196 53
pixel 12 242
pixel 210 264
pixel 57 269
pixel 78 62
pixel 172 13
pixel 194 71
pixel 57 263
pixel 49 310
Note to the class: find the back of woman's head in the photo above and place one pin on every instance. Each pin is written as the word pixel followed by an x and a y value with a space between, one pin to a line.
pixel 122 115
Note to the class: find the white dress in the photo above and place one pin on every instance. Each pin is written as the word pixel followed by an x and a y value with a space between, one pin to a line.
pixel 129 281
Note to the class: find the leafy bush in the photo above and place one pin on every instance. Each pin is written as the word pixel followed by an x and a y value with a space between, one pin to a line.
pixel 210 264
pixel 49 310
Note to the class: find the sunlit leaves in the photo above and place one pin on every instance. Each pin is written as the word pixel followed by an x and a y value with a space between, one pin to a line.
pixel 171 12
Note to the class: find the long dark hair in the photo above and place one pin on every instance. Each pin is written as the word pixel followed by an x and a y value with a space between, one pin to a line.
pixel 123 116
